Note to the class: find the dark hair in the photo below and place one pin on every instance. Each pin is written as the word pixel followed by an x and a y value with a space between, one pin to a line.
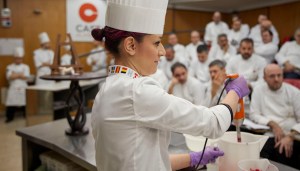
pixel 269 31
pixel 202 48
pixel 113 37
pixel 217 62
pixel 169 47
pixel 222 35
pixel 171 33
pixel 247 40
pixel 177 65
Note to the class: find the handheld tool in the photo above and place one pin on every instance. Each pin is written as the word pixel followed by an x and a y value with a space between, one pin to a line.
pixel 239 116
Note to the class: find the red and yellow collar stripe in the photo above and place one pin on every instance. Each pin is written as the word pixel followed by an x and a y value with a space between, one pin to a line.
pixel 118 69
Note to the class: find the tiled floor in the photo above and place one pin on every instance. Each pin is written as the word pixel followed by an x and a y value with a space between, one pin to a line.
pixel 10 145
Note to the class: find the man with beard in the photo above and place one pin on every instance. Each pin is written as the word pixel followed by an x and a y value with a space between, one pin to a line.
pixel 276 104
pixel 247 63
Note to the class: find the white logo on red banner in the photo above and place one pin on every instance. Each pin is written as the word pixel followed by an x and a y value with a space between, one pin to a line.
pixel 83 16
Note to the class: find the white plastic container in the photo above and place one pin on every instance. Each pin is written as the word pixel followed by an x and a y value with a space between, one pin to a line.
pixel 261 165
pixel 197 143
pixel 249 148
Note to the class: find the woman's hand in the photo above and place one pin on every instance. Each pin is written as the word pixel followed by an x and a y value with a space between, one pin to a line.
pixel 210 156
pixel 238 85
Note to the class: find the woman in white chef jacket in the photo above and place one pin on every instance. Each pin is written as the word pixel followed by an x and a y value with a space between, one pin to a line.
pixel 132 115
pixel 17 74
pixel 43 58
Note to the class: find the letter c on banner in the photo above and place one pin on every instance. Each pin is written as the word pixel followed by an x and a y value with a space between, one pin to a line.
pixel 88 12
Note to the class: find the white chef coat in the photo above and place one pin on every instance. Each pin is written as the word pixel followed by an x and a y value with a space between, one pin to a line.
pixel 161 77
pixel 132 119
pixel 252 69
pixel 17 88
pixel 200 71
pixel 166 65
pixel 179 51
pixel 191 51
pixel 212 101
pixel 290 51
pixel 43 56
pixel 66 59
pixel 192 90
pixel 267 51
pixel 212 30
pixel 245 29
pixel 99 58
pixel 235 37
pixel 281 106
pixel 255 34
pixel 217 53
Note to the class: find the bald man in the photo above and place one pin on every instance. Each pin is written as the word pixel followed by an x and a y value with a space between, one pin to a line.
pixel 276 104
pixel 263 24
pixel 178 48
pixel 191 49
pixel 214 28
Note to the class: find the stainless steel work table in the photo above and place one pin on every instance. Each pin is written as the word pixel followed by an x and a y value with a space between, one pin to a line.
pixel 80 149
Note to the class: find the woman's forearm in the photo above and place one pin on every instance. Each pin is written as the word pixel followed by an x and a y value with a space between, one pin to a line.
pixel 232 100
pixel 180 161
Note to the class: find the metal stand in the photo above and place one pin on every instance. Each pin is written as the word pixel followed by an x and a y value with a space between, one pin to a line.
pixel 76 124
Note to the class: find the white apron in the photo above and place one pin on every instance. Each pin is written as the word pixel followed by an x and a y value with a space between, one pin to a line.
pixel 16 92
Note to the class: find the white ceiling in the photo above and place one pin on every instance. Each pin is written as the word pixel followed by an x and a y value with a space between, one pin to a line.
pixel 224 5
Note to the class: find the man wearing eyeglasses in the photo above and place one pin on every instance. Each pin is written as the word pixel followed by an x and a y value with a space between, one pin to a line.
pixel 276 104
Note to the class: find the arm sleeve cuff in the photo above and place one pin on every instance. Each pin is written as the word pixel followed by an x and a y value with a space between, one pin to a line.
pixel 229 108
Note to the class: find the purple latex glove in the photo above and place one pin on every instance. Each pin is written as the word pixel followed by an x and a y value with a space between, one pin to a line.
pixel 240 86
pixel 210 156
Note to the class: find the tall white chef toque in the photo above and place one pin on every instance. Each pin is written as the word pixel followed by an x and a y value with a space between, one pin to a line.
pixel 141 16
pixel 19 52
pixel 44 38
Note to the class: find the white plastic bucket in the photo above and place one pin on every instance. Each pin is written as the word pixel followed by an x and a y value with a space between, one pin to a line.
pixel 259 164
pixel 234 151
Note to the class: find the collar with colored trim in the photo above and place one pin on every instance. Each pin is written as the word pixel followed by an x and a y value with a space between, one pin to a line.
pixel 118 69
